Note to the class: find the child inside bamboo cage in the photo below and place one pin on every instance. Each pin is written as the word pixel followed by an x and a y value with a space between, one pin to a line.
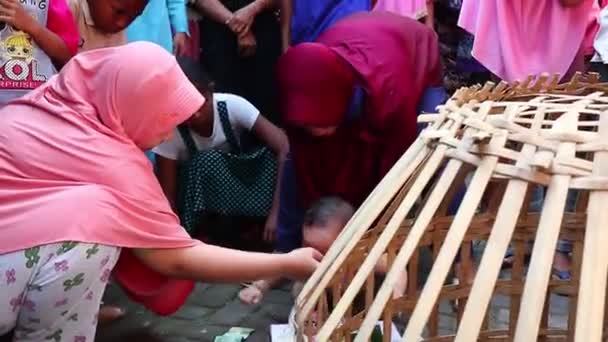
pixel 322 224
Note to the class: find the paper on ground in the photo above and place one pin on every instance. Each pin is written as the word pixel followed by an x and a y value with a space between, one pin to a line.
pixel 286 333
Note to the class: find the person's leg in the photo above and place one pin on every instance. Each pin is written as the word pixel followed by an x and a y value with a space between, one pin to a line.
pixel 66 292
pixel 261 79
pixel 16 269
pixel 219 56
pixel 289 227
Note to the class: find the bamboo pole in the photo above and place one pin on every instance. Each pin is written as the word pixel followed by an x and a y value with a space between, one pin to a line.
pixel 411 243
pixel 453 240
pixel 361 221
pixel 367 268
pixel 592 288
pixel 539 271
pixel 498 242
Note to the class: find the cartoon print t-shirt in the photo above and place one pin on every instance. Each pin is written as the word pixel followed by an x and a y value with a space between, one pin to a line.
pixel 24 66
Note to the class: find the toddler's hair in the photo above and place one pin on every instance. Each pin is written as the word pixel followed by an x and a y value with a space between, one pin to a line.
pixel 326 209
pixel 196 74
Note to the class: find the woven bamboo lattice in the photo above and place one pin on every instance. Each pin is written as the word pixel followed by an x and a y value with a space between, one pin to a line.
pixel 499 144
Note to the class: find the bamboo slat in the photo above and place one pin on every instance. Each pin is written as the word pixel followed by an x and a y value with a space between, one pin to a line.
pixel 497 166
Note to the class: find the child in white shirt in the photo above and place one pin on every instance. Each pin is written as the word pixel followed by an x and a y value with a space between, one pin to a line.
pixel 206 131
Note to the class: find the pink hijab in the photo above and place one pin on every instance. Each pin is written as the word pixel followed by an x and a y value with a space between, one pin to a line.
pixel 71 160
pixel 517 38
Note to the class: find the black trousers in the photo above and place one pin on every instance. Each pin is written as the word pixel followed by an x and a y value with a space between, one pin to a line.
pixel 252 78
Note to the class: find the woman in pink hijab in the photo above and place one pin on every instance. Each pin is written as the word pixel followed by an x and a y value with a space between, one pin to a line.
pixel 76 188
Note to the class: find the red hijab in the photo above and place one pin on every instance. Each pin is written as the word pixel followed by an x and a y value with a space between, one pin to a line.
pixel 394 59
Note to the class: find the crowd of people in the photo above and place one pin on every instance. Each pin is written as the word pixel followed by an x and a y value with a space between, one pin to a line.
pixel 125 123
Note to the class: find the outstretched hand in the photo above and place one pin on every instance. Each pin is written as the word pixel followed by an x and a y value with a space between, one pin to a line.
pixel 301 263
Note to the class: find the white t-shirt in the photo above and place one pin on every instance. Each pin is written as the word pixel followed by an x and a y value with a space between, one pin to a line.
pixel 242 115
pixel 601 39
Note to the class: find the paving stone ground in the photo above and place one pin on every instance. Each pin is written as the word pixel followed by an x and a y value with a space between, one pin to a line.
pixel 213 309
pixel 210 311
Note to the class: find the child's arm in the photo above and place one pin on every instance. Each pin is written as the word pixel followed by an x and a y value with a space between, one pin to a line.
pixel 212 263
pixel 277 141
pixel 167 177
pixel 401 285
pixel 59 19
pixel 179 25
pixel 430 15
pixel 286 9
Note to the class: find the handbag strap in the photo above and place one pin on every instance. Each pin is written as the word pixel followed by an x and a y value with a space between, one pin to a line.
pixel 184 132
pixel 222 109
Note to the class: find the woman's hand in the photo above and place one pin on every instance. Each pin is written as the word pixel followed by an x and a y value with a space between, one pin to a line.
pixel 180 43
pixel 12 13
pixel 241 20
pixel 301 263
pixel 247 44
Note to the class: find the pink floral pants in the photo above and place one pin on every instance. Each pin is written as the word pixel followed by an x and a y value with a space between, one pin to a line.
pixel 53 292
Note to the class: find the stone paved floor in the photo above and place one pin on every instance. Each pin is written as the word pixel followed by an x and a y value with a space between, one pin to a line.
pixel 213 309
pixel 210 311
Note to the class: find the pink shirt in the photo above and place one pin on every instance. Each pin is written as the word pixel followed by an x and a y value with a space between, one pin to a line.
pixel 415 9
pixel 518 38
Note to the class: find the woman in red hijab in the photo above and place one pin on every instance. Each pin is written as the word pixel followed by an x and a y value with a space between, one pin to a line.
pixel 349 101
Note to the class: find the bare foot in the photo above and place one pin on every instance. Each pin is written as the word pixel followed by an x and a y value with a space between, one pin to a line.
pixel 251 295
pixel 108 314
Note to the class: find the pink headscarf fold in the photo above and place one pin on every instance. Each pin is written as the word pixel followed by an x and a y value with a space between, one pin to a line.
pixel 71 160
pixel 315 66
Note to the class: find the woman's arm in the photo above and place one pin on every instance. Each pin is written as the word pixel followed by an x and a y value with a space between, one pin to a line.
pixel 167 177
pixel 286 9
pixel 218 264
pixel 277 141
pixel 179 25
pixel 214 10
pixel 430 15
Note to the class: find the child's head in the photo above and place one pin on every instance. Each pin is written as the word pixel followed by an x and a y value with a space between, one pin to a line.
pixel 197 76
pixel 112 16
pixel 324 221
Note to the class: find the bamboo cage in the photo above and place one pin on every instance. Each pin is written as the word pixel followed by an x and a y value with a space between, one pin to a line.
pixel 496 144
